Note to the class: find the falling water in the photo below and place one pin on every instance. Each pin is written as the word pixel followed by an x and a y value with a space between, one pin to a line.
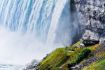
pixel 26 25
pixel 38 16
pixel 54 22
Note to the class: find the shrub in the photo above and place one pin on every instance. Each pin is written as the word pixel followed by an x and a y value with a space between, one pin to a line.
pixel 83 54
pixel 79 57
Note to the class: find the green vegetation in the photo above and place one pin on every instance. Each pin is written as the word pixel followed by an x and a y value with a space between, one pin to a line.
pixel 54 60
pixel 83 54
pixel 99 65
pixel 70 56
pixel 78 56
pixel 61 58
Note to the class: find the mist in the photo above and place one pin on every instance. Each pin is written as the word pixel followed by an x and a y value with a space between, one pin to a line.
pixel 21 48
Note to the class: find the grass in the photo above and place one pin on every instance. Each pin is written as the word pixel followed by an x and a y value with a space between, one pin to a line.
pixel 99 65
pixel 94 47
pixel 54 60
pixel 61 57
pixel 79 56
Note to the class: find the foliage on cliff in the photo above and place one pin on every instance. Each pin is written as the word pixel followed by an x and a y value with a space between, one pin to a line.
pixel 68 57
pixel 99 65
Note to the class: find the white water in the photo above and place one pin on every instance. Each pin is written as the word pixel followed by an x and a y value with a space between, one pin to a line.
pixel 55 20
pixel 26 26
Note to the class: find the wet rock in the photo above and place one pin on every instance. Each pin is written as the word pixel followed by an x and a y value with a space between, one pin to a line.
pixel 32 65
pixel 102 18
pixel 92 16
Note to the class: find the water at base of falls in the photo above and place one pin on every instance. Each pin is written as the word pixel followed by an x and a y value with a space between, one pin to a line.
pixel 10 67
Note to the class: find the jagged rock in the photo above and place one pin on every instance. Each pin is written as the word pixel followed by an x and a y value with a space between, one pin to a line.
pixel 32 65
pixel 92 16
pixel 102 18
pixel 90 42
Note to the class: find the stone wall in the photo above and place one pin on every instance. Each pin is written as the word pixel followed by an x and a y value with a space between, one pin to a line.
pixel 91 15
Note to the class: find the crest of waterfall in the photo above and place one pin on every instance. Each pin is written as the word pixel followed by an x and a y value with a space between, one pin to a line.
pixel 41 17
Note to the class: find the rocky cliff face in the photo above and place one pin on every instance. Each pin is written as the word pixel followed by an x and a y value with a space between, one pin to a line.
pixel 91 15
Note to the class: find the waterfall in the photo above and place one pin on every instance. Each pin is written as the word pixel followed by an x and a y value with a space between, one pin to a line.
pixel 54 22
pixel 38 16
pixel 27 15
pixel 26 26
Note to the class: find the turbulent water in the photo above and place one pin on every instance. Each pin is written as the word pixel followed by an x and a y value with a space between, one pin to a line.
pixel 10 67
pixel 29 28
